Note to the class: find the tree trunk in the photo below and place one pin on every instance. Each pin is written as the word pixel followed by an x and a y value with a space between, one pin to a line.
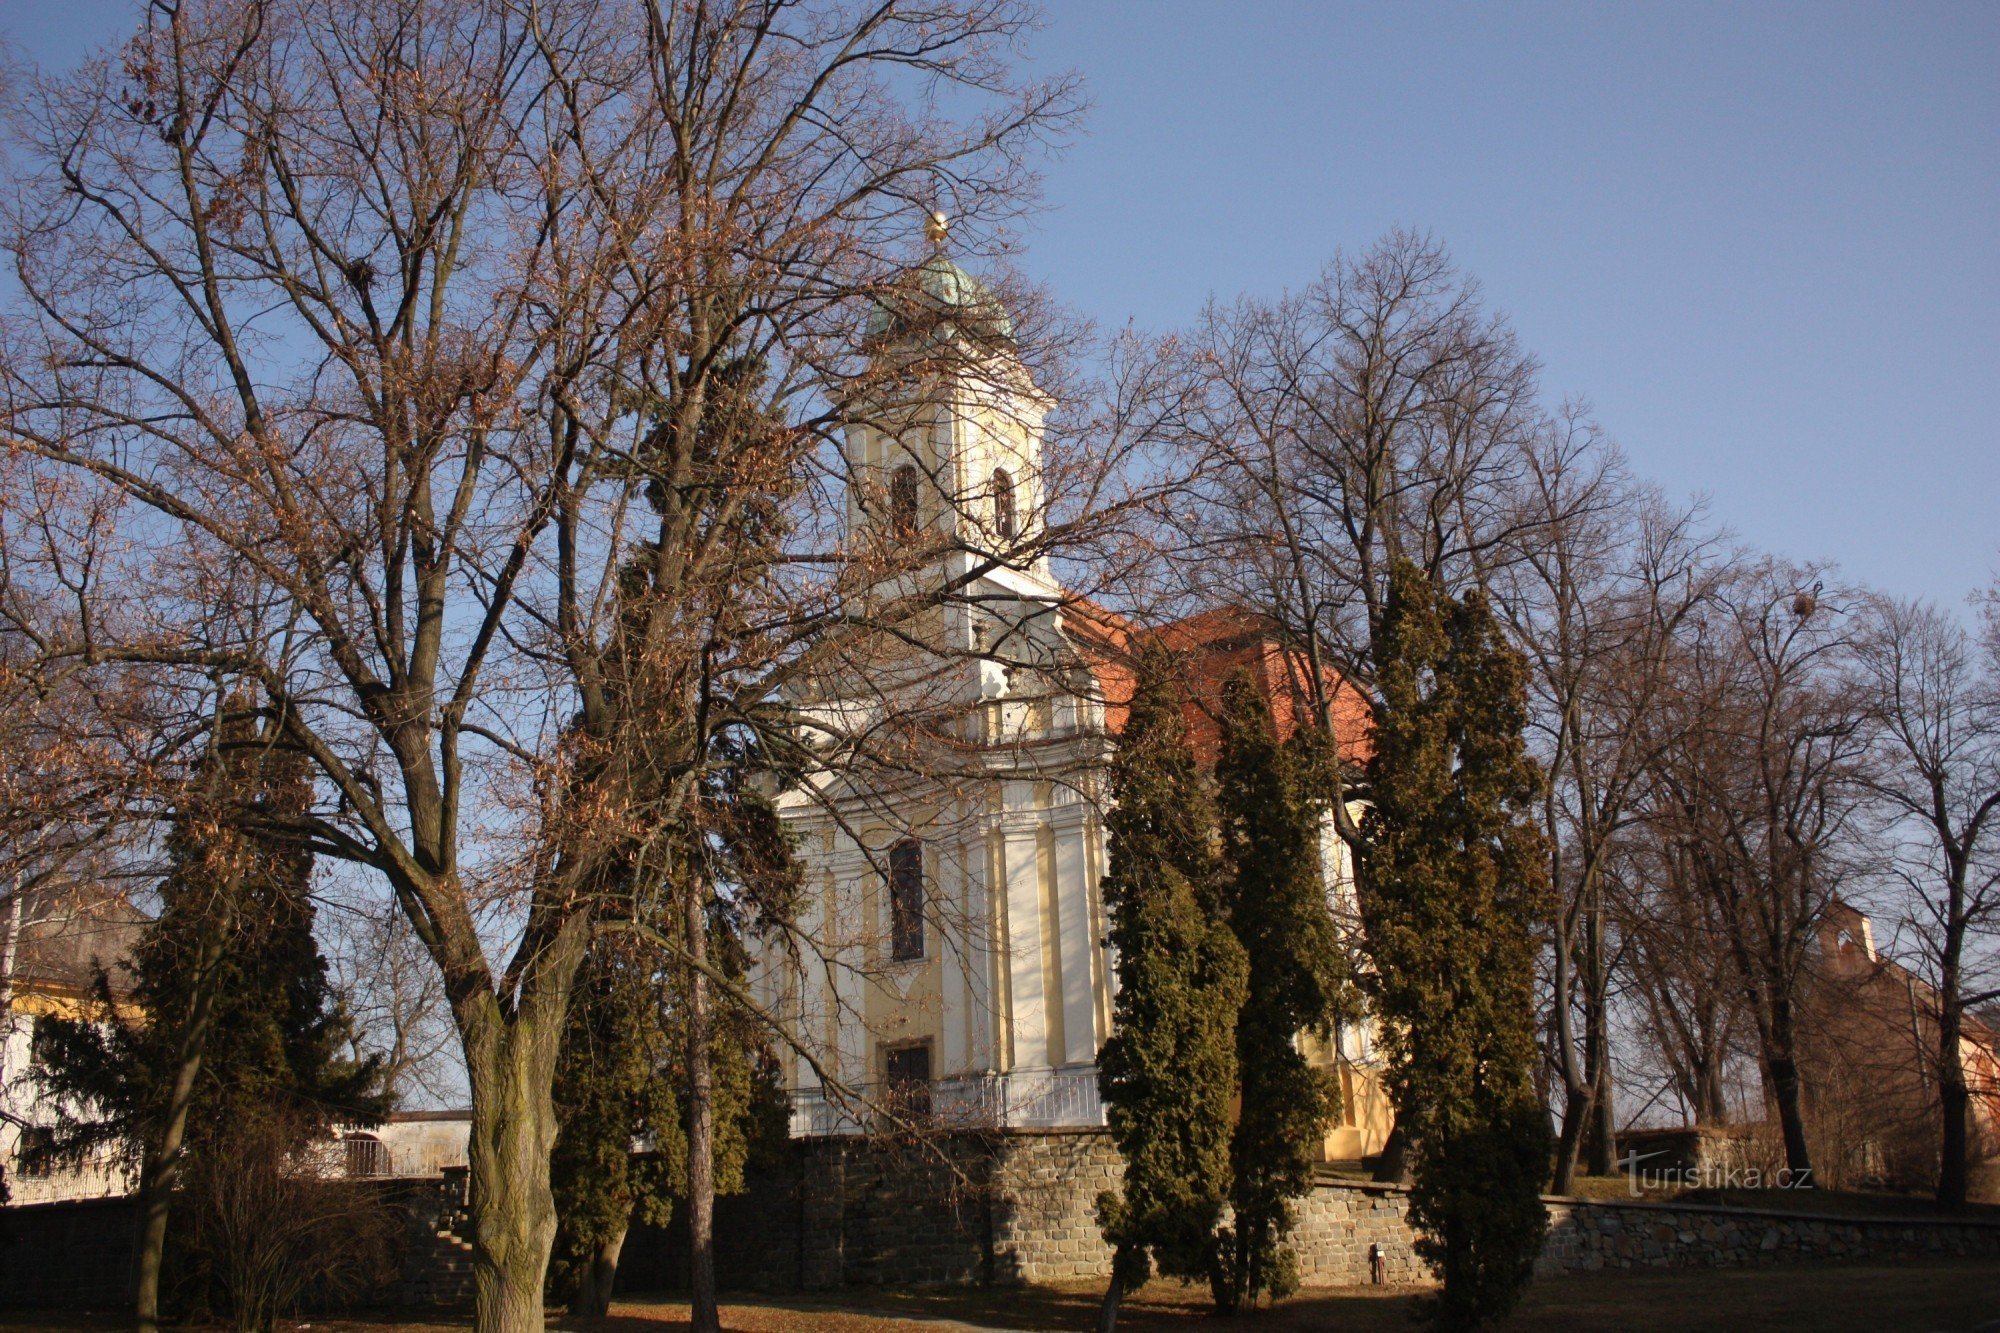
pixel 1601 1125
pixel 594 1284
pixel 1107 1311
pixel 704 1316
pixel 1603 1136
pixel 511 1067
pixel 1954 1097
pixel 1576 1109
pixel 1788 1093
pixel 162 1169
pixel 1393 1166
pixel 1954 1168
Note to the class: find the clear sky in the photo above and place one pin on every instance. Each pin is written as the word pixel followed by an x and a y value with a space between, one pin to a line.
pixel 1763 240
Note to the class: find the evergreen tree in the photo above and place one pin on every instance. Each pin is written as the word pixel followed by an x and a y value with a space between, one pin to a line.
pixel 1168 1072
pixel 1452 884
pixel 614 1091
pixel 236 1021
pixel 625 1076
pixel 1275 895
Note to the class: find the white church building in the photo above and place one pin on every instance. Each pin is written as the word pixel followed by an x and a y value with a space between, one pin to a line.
pixel 960 969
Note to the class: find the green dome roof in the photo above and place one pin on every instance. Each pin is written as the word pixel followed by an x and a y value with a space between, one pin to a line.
pixel 935 290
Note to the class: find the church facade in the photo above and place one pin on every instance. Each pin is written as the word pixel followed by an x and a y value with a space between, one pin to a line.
pixel 960 969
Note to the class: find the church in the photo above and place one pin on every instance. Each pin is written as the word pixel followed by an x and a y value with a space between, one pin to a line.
pixel 960 971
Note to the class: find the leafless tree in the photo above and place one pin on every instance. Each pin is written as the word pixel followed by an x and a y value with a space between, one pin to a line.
pixel 462 376
pixel 1757 791
pixel 1380 413
pixel 1596 601
pixel 1934 700
pixel 393 994
pixel 1680 983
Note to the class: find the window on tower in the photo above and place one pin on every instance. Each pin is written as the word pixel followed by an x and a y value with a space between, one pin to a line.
pixel 906 900
pixel 903 501
pixel 1003 504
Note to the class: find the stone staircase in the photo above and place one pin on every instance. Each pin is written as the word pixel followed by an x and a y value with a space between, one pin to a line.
pixel 437 1259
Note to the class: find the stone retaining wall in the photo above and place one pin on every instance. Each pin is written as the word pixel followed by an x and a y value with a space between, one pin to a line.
pixel 1019 1207
pixel 1589 1236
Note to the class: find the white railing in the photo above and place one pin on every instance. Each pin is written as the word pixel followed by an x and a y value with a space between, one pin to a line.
pixel 1022 1099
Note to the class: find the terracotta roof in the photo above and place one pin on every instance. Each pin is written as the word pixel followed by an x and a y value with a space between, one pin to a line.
pixel 1212 646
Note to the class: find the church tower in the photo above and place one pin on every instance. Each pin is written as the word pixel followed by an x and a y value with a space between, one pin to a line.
pixel 969 975
pixel 947 449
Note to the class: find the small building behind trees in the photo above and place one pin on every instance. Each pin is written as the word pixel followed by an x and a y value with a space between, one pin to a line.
pixel 54 939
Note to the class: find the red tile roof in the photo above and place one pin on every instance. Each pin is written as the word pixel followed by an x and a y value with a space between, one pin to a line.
pixel 1212 646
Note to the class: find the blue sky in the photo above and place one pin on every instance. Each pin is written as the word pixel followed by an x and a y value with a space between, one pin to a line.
pixel 1763 240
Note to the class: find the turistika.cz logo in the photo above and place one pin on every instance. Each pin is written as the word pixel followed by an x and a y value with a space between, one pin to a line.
pixel 1640 1178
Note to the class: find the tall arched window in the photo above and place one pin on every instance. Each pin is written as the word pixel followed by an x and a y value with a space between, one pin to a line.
pixel 906 900
pixel 903 501
pixel 1003 504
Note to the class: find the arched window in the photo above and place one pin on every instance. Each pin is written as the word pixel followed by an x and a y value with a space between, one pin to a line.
pixel 903 501
pixel 906 900
pixel 1003 504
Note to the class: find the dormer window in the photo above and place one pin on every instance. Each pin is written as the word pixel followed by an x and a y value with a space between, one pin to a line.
pixel 1003 505
pixel 903 501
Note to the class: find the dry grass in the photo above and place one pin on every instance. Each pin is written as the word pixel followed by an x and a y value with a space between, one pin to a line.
pixel 1938 1296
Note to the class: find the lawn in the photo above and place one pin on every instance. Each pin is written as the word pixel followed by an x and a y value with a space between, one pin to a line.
pixel 1936 1296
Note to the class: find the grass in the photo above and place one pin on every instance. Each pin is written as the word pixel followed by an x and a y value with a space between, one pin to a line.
pixel 1936 1295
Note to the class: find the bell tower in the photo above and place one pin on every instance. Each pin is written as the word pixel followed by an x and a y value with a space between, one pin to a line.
pixel 947 452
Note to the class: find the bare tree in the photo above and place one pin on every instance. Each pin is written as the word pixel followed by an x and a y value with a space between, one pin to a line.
pixel 1595 602
pixel 1758 786
pixel 392 992
pixel 430 331
pixel 1934 699
pixel 1680 982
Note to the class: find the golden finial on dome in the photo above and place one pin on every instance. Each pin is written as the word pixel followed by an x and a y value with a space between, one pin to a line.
pixel 937 226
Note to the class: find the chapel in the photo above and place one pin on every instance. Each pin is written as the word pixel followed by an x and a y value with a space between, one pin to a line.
pixel 962 972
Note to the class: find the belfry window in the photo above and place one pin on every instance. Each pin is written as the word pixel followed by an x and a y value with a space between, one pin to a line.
pixel 1003 504
pixel 906 900
pixel 903 501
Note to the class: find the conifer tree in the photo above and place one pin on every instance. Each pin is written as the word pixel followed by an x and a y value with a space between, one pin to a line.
pixel 1275 896
pixel 614 1090
pixel 236 1021
pixel 1451 886
pixel 622 1140
pixel 1169 1070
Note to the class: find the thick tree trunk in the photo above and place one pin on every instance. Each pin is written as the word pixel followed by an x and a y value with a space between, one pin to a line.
pixel 512 1070
pixel 704 1316
pixel 594 1284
